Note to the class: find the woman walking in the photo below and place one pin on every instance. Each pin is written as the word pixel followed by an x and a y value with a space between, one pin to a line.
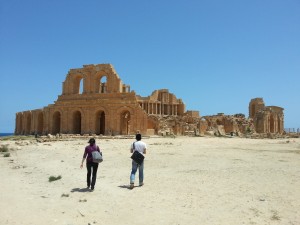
pixel 91 166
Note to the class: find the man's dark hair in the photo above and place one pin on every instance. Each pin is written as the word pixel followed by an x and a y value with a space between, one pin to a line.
pixel 138 137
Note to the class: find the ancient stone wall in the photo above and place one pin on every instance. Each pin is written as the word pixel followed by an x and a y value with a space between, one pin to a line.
pixel 267 119
pixel 236 124
pixel 95 101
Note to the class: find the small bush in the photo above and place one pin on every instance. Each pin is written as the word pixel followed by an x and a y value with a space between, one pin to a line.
pixel 6 154
pixel 65 195
pixel 3 149
pixel 53 178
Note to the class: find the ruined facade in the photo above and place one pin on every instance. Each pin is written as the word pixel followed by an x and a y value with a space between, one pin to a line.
pixel 262 120
pixel 267 119
pixel 225 124
pixel 95 101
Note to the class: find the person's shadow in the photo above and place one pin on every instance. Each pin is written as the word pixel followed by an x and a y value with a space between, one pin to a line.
pixel 80 190
pixel 127 187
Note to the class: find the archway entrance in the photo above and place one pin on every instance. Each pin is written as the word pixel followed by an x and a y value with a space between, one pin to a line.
pixel 56 123
pixel 125 123
pixel 77 122
pixel 100 123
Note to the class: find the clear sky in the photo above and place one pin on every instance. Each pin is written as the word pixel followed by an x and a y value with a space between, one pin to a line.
pixel 215 55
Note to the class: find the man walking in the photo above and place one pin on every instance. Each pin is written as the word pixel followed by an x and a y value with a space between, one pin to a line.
pixel 141 147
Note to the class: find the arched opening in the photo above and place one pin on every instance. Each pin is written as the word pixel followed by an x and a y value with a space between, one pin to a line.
pixel 56 123
pixel 78 85
pixel 81 86
pixel 28 124
pixel 103 84
pixel 40 123
pixel 100 123
pixel 125 122
pixel 272 124
pixel 77 122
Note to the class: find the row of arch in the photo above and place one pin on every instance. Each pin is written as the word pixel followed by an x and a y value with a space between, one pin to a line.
pixel 35 123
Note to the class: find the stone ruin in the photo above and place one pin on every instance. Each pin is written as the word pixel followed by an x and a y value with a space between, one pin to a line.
pixel 94 101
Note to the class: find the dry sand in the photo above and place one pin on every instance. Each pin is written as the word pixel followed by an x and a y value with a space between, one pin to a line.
pixel 188 180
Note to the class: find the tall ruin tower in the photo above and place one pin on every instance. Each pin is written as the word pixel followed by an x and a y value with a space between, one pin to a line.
pixel 255 105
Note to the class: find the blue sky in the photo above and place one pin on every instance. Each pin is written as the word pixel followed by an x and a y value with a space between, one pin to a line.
pixel 215 55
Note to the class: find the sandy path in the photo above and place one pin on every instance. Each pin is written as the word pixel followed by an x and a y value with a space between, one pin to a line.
pixel 187 181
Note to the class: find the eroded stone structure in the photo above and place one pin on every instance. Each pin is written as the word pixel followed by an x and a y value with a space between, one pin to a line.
pixel 267 119
pixel 226 124
pixel 95 101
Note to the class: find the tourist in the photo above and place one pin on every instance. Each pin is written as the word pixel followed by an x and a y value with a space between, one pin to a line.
pixel 91 166
pixel 141 147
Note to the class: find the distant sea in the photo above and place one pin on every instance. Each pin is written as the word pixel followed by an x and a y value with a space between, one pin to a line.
pixel 6 134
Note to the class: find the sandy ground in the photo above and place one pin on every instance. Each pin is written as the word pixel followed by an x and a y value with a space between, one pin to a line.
pixel 188 180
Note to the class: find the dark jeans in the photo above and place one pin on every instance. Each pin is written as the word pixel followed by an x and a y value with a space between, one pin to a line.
pixel 89 166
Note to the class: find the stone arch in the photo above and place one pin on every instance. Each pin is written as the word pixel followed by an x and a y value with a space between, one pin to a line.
pixel 40 123
pixel 76 121
pixel 100 122
pixel 101 82
pixel 28 123
pixel 77 81
pixel 56 122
